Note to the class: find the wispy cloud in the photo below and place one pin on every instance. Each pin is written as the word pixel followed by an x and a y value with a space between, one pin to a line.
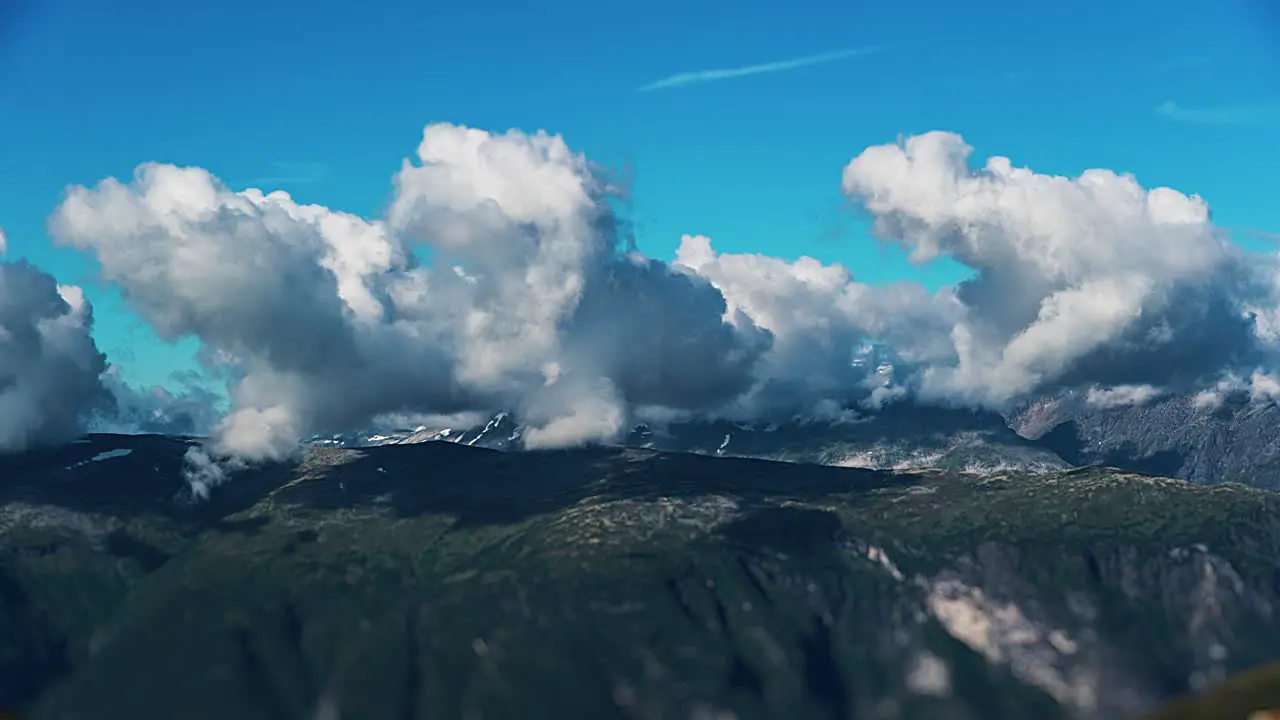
pixel 1261 234
pixel 705 76
pixel 1234 115
pixel 290 173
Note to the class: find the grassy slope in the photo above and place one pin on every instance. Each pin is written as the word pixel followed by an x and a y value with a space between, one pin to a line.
pixel 444 581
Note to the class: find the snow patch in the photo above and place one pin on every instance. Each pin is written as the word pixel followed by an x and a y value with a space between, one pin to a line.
pixel 108 455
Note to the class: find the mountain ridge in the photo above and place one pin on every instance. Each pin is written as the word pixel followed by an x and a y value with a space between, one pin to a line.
pixel 440 580
pixel 1174 435
pixel 892 438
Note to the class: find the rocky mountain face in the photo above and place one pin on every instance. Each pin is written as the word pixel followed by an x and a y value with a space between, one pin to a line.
pixel 1180 436
pixel 1177 436
pixel 899 437
pixel 436 580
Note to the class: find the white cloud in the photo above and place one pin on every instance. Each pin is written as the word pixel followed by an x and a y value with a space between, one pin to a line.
pixel 1258 386
pixel 1121 396
pixel 49 364
pixel 533 302
pixel 54 382
pixel 817 315
pixel 1078 280
pixel 328 321
pixel 698 77
pixel 1264 386
pixel 1231 116
pixel 1261 234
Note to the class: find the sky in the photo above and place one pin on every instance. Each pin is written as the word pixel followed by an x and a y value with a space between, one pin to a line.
pixel 733 125
pixel 325 104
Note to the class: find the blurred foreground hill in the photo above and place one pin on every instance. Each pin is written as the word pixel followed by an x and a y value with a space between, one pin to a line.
pixel 437 580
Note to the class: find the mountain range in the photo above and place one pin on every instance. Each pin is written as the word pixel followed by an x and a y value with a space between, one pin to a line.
pixel 897 437
pixel 916 563
pixel 1180 436
pixel 437 580
pixel 1229 438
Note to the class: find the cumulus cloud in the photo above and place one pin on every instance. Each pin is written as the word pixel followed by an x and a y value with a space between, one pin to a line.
pixel 49 364
pixel 531 301
pixel 279 292
pixel 54 382
pixel 817 314
pixel 1092 279
pixel 534 301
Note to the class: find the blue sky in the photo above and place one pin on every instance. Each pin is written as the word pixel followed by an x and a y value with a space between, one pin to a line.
pixel 325 104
